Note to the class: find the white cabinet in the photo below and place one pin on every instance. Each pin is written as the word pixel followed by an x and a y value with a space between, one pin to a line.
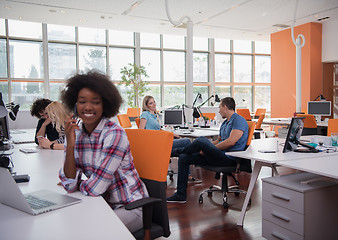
pixel 299 206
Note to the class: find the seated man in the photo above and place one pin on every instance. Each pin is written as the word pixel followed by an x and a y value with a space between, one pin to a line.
pixel 233 137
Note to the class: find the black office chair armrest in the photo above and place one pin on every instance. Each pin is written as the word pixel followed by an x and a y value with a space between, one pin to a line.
pixel 142 202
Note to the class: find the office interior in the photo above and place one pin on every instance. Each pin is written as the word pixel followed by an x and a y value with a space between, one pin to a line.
pixel 213 21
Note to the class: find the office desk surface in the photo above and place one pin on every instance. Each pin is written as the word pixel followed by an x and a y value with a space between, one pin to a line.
pixel 90 219
pixel 285 122
pixel 197 133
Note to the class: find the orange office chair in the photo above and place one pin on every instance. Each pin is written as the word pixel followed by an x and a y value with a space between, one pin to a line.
pixel 124 120
pixel 260 121
pixel 259 111
pixel 244 112
pixel 133 113
pixel 310 124
pixel 242 165
pixel 332 126
pixel 137 120
pixel 152 168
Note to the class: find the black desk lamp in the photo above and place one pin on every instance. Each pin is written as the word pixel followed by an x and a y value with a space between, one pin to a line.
pixel 321 98
pixel 197 111
pixel 14 110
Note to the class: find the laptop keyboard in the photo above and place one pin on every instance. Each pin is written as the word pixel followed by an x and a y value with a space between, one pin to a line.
pixel 37 203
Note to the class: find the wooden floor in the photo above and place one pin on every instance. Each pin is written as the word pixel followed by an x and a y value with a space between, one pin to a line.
pixel 210 220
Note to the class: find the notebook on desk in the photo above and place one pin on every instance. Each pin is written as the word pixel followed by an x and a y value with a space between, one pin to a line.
pixel 33 203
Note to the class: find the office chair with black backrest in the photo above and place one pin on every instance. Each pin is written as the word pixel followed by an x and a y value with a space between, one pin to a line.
pixel 242 165
pixel 133 113
pixel 310 124
pixel 259 111
pixel 152 165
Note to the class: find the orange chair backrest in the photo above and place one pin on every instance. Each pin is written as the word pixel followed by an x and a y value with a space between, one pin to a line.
pixel 124 120
pixel 133 112
pixel 151 151
pixel 332 126
pixel 259 111
pixel 209 115
pixel 260 120
pixel 137 120
pixel 251 125
pixel 309 121
pixel 244 112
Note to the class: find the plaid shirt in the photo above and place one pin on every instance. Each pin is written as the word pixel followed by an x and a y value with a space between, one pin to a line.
pixel 105 159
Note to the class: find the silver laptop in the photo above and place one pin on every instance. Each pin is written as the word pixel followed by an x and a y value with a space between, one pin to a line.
pixel 33 203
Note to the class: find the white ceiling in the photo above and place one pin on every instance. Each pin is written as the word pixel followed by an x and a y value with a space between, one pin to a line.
pixel 231 19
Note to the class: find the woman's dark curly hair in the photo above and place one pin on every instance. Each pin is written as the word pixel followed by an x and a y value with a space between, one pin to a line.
pixel 39 106
pixel 96 82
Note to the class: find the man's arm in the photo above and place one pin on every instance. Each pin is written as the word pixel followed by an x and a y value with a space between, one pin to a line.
pixel 235 135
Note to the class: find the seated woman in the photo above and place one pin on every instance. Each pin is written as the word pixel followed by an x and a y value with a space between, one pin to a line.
pixel 45 127
pixel 58 114
pixel 99 148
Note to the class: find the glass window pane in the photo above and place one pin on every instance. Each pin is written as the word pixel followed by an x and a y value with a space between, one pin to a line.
pixel 263 47
pixel 150 40
pixel 62 60
pixel 92 57
pixel 173 95
pixel 203 90
pixel 4 91
pixel 119 58
pixel 223 91
pixel 24 29
pixel 121 38
pixel 123 91
pixel 262 69
pixel 151 60
pixel 242 46
pixel 25 93
pixel 243 97
pixel 222 45
pixel 200 43
pixel 263 97
pixel 222 68
pixel 200 67
pixel 2 27
pixel 55 89
pixel 92 35
pixel 3 58
pixel 61 33
pixel 26 59
pixel 174 66
pixel 242 68
pixel 155 91
pixel 173 41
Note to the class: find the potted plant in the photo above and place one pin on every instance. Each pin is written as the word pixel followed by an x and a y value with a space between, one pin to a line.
pixel 132 75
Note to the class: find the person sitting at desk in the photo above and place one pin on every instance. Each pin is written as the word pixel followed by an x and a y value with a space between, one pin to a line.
pixel 233 135
pixel 149 120
pixel 99 148
pixel 58 114
pixel 45 126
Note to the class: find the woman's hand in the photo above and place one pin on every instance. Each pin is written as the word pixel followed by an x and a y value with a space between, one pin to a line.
pixel 70 126
pixel 44 142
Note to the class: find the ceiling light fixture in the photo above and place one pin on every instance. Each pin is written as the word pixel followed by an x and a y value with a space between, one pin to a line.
pixel 132 7
pixel 323 18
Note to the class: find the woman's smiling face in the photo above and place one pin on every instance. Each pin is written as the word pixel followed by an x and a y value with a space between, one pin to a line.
pixel 89 108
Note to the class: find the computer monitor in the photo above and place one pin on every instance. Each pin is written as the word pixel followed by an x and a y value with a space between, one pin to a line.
pixel 319 108
pixel 292 140
pixel 173 117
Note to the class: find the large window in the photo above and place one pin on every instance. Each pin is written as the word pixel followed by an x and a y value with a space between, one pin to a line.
pixel 237 68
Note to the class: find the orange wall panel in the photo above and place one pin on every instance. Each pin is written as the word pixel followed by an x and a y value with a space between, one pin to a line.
pixel 283 69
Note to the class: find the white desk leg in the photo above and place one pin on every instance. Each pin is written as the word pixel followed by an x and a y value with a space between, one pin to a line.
pixel 256 170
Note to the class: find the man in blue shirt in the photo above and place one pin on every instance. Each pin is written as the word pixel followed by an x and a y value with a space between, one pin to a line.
pixel 233 136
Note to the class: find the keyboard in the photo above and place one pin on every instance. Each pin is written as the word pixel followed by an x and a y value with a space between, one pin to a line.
pixel 37 203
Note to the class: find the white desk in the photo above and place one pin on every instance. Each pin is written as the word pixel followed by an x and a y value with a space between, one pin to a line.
pixel 91 219
pixel 203 132
pixel 270 160
pixel 285 122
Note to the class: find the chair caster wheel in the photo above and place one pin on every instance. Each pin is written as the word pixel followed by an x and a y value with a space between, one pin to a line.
pixel 200 200
pixel 236 194
pixel 225 205
pixel 209 194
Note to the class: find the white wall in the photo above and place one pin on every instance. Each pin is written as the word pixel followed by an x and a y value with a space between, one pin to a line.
pixel 330 42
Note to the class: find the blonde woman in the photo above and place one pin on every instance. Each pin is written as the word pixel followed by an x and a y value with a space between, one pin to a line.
pixel 58 115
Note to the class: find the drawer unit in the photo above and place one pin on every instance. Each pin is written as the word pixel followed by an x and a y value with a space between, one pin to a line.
pixel 299 206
